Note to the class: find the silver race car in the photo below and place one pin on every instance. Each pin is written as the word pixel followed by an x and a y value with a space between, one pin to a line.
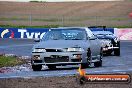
pixel 67 46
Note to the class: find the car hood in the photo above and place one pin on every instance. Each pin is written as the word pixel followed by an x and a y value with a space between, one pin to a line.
pixel 62 44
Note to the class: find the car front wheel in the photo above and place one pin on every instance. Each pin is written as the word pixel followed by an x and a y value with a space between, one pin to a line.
pixel 117 52
pixel 36 67
pixel 99 63
pixel 51 67
pixel 86 65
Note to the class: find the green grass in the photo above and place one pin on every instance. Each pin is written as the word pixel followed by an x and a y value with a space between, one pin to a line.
pixel 33 1
pixel 10 61
pixel 122 26
pixel 28 19
pixel 48 19
pixel 36 1
pixel 13 18
pixel 55 26
pixel 118 19
pixel 24 26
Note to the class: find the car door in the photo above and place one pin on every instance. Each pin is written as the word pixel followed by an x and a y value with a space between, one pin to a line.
pixel 94 43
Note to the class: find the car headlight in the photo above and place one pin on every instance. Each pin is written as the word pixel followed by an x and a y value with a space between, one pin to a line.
pixel 75 49
pixel 39 50
pixel 116 40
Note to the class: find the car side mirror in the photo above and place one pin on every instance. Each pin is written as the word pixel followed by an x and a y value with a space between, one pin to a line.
pixel 36 40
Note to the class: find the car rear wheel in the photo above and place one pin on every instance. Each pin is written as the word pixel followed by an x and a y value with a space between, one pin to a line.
pixel 99 63
pixel 86 65
pixel 117 52
pixel 108 52
pixel 36 67
pixel 51 67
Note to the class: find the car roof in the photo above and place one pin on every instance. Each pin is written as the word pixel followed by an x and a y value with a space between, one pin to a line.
pixel 102 32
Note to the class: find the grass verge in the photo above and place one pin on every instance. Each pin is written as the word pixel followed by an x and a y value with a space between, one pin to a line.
pixel 10 61
pixel 24 26
pixel 55 26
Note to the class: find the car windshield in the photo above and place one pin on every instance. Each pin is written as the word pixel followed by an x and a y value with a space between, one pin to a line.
pixel 65 34
pixel 102 33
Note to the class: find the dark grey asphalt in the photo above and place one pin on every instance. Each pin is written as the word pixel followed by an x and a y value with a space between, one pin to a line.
pixel 20 47
pixel 111 64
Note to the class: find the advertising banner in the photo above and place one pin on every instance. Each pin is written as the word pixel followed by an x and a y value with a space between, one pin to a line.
pixel 123 33
pixel 28 33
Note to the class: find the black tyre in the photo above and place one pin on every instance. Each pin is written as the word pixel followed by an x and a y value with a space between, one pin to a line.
pixel 117 52
pixel 51 67
pixel 108 53
pixel 99 63
pixel 36 67
pixel 86 65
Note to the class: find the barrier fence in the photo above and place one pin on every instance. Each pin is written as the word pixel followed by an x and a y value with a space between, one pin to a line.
pixel 30 33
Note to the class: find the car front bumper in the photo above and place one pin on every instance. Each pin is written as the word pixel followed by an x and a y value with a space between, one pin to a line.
pixel 109 48
pixel 58 58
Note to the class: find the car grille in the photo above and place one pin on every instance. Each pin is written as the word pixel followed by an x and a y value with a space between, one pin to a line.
pixel 76 60
pixel 106 42
pixel 54 50
pixel 56 58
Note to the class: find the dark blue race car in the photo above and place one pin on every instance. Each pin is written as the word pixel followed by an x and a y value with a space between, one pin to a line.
pixel 110 42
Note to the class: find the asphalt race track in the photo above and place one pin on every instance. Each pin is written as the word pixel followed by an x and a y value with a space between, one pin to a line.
pixel 20 47
pixel 111 64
